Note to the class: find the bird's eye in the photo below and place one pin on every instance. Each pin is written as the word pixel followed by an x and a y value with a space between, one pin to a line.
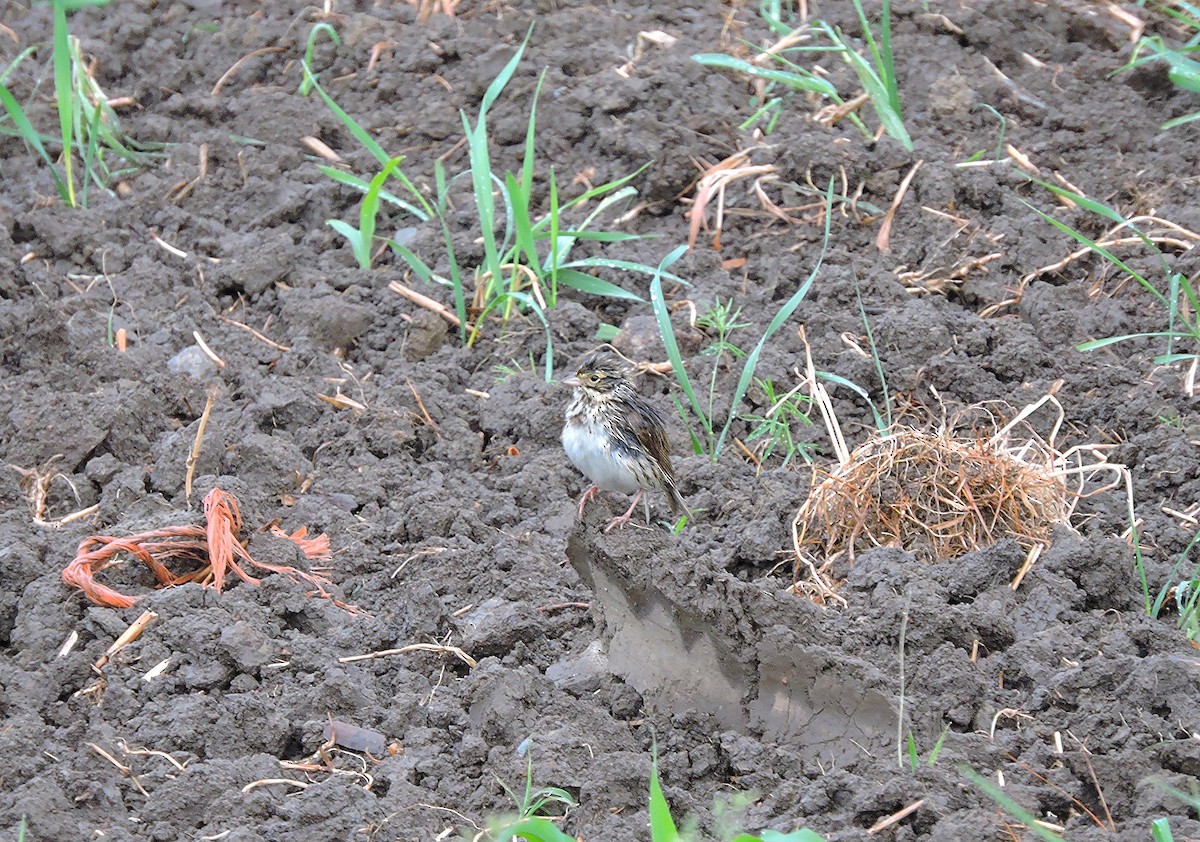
pixel 594 377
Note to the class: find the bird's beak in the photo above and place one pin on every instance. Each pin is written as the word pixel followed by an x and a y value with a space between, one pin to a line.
pixel 571 381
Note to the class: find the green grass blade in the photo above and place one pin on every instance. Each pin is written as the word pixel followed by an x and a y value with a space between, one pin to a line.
pixel 524 230
pixel 880 424
pixel 795 81
pixel 63 93
pixel 354 237
pixel 498 84
pixel 662 826
pixel 1093 246
pixel 1179 121
pixel 554 258
pixel 29 135
pixel 667 332
pixel 21 56
pixel 1160 830
pixel 535 829
pixel 629 266
pixel 485 203
pixel 353 181
pixel 419 267
pixel 1112 340
pixel 880 98
pixel 937 748
pixel 785 313
pixel 527 161
pixel 358 132
pixel 594 286
pixel 608 187
pixel 603 236
pixel 1009 805
pixel 306 84
pixel 369 211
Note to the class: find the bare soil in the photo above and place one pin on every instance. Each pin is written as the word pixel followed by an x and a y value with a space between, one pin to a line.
pixel 463 531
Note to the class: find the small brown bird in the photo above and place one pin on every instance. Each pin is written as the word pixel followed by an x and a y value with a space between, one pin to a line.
pixel 616 438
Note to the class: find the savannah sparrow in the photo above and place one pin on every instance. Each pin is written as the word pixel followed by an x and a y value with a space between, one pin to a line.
pixel 615 438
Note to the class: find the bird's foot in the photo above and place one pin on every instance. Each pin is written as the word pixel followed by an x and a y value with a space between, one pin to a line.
pixel 587 495
pixel 621 520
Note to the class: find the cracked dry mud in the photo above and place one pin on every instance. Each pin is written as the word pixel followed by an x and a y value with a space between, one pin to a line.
pixel 595 645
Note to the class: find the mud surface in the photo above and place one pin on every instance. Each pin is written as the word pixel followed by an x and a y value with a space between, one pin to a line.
pixel 450 504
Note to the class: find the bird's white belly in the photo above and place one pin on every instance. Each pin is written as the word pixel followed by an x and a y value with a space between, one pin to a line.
pixel 589 449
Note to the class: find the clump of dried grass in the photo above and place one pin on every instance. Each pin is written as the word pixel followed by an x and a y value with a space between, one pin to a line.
pixel 939 493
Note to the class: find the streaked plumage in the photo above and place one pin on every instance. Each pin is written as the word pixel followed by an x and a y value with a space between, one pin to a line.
pixel 615 437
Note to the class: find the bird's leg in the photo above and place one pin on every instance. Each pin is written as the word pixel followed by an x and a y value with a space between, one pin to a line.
pixel 621 520
pixel 587 495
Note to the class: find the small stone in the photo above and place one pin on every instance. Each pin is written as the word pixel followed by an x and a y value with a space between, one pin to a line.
pixel 191 360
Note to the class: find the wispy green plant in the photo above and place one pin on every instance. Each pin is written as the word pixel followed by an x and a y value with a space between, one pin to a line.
pixel 775 426
pixel 88 127
pixel 306 84
pixel 712 440
pixel 1186 589
pixel 1182 69
pixel 998 152
pixel 527 265
pixel 914 757
pixel 876 73
pixel 1006 802
pixel 664 829
pixel 362 238
pixel 1180 324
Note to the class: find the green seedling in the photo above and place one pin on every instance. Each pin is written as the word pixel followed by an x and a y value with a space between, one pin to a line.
pixel 775 427
pixel 876 74
pixel 526 266
pixel 533 820
pixel 306 84
pixel 664 829
pixel 1182 69
pixel 1160 830
pixel 1187 591
pixel 1005 802
pixel 1180 325
pixel 1001 134
pixel 711 440
pixel 88 127
pixel 722 319
pixel 914 757
pixel 362 238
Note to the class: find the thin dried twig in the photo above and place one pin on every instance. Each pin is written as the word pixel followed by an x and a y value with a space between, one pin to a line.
pixel 127 637
pixel 899 815
pixel 882 239
pixel 228 74
pixel 413 647
pixel 194 456
pixel 428 303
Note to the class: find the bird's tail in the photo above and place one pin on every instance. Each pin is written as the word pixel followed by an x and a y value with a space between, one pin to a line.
pixel 674 498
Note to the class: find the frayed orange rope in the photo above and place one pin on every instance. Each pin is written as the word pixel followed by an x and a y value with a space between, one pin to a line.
pixel 216 548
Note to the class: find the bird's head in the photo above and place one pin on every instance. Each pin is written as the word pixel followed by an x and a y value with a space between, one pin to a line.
pixel 600 374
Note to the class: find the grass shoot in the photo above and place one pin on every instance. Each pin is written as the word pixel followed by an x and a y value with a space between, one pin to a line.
pixel 530 261
pixel 711 439
pixel 876 73
pixel 88 128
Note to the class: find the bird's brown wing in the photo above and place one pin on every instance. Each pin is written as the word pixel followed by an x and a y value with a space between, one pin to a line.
pixel 648 425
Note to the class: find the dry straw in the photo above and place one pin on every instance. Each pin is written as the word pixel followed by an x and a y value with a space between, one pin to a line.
pixel 939 493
